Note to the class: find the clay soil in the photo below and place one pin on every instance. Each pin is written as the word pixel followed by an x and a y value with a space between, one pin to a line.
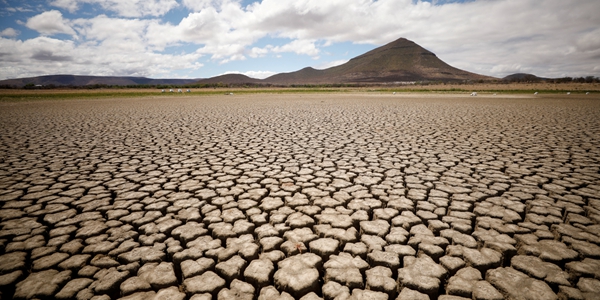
pixel 361 195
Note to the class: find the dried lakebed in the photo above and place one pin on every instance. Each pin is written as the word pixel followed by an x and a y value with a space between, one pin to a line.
pixel 342 196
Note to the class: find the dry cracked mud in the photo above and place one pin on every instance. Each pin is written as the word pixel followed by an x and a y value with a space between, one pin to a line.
pixel 342 196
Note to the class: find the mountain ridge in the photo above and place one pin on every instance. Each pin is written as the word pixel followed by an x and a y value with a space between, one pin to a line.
pixel 85 80
pixel 398 61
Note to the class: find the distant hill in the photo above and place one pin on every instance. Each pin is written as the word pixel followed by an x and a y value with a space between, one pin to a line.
pixel 523 77
pixel 75 80
pixel 400 60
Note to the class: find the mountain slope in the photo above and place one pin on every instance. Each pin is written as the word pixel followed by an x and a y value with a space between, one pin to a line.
pixel 77 80
pixel 400 60
pixel 523 77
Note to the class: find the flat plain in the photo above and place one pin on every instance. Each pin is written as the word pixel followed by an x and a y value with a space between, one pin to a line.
pixel 308 195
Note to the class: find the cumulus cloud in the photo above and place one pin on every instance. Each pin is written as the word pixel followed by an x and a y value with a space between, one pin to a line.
pixel 305 47
pixel 9 32
pixel 49 23
pixel 253 74
pixel 70 5
pixel 330 64
pixel 488 37
pixel 44 55
pixel 301 47
pixel 125 8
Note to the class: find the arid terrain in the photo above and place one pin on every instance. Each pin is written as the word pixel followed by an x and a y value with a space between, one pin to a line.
pixel 307 195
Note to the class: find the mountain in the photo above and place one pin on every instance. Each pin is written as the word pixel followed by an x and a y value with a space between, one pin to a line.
pixel 523 77
pixel 400 60
pixel 76 80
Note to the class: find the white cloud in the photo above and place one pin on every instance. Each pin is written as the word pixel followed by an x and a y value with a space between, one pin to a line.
pixel 125 8
pixel 330 64
pixel 300 47
pixel 259 74
pixel 114 33
pixel 70 5
pixel 44 55
pixel 9 32
pixel 49 23
pixel 478 35
pixel 199 5
pixel 259 52
pixel 488 37
pixel 253 74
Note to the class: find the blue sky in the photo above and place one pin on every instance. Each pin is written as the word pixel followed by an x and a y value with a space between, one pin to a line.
pixel 205 38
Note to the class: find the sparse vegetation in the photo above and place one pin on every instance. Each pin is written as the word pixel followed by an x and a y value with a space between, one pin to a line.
pixel 29 94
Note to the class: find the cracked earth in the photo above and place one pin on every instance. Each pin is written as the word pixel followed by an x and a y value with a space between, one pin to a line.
pixel 343 196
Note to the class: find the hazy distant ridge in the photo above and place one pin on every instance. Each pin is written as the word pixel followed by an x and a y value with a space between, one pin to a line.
pixel 77 80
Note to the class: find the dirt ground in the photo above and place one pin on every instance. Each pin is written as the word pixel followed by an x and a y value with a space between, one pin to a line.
pixel 312 196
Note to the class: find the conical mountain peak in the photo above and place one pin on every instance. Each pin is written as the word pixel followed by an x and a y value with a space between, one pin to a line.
pixel 400 60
